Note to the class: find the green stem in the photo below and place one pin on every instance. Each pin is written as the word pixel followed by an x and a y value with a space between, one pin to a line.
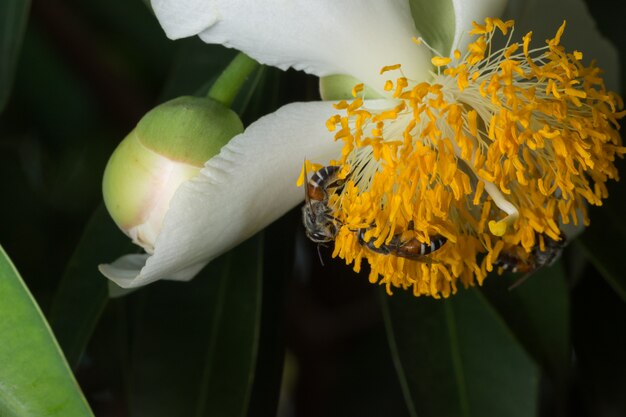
pixel 230 81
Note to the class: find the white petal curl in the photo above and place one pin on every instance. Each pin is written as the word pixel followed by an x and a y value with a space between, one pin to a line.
pixel 468 11
pixel 543 18
pixel 247 186
pixel 321 37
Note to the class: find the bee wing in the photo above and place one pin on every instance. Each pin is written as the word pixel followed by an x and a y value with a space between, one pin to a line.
pixel 428 261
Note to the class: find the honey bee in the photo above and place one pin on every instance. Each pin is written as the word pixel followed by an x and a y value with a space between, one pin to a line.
pixel 411 249
pixel 321 226
pixel 319 223
pixel 537 259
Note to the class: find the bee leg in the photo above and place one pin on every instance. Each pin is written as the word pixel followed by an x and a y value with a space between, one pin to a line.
pixel 520 281
pixel 319 254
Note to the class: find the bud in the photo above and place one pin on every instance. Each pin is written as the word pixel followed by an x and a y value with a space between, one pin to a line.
pixel 170 145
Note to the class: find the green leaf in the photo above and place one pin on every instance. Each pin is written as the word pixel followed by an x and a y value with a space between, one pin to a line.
pixel 435 22
pixel 599 340
pixel 537 311
pixel 34 377
pixel 195 64
pixel 13 18
pixel 278 264
pixel 606 250
pixel 603 241
pixel 456 357
pixel 83 292
pixel 195 343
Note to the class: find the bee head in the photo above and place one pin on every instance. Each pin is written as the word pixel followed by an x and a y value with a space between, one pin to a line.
pixel 318 224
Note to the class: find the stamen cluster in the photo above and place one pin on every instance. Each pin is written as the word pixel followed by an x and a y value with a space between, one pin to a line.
pixel 494 154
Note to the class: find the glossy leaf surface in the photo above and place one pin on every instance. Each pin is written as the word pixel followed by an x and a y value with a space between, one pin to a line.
pixel 195 343
pixel 456 357
pixel 537 311
pixel 13 18
pixel 83 292
pixel 35 379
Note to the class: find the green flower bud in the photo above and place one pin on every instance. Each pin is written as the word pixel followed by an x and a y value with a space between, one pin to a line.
pixel 170 145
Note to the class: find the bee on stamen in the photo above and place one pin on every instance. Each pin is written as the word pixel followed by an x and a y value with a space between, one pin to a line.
pixel 405 248
pixel 319 223
pixel 538 258
pixel 321 226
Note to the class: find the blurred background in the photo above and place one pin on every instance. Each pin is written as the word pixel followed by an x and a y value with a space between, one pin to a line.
pixel 87 71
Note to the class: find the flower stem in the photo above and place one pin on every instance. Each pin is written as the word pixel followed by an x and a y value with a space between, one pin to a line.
pixel 230 81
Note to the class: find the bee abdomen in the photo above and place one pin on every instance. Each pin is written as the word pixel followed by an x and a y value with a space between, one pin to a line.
pixel 321 180
pixel 411 249
pixel 414 249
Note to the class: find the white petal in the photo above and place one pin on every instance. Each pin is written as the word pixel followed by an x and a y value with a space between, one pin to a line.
pixel 321 37
pixel 468 11
pixel 543 18
pixel 184 18
pixel 247 186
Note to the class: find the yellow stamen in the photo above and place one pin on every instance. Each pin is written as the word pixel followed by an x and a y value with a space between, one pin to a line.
pixel 488 156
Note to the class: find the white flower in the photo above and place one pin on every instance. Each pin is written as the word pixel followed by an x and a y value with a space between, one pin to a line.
pixel 252 181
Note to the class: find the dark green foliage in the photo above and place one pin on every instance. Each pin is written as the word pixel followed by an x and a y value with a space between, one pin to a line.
pixel 265 329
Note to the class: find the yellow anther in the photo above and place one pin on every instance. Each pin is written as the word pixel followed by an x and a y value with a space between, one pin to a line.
pixel 478 29
pixel 497 228
pixel 389 68
pixel 559 33
pixel 575 93
pixel 511 50
pixel 439 61
pixel 357 89
pixel 503 26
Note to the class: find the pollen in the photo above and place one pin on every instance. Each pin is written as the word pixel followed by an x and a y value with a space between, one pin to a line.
pixel 490 157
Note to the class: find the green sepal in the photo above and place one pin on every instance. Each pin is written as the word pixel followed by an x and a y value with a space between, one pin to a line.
pixel 339 87
pixel 435 22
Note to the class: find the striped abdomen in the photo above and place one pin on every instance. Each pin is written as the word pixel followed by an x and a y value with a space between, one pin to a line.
pixel 411 249
pixel 320 181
